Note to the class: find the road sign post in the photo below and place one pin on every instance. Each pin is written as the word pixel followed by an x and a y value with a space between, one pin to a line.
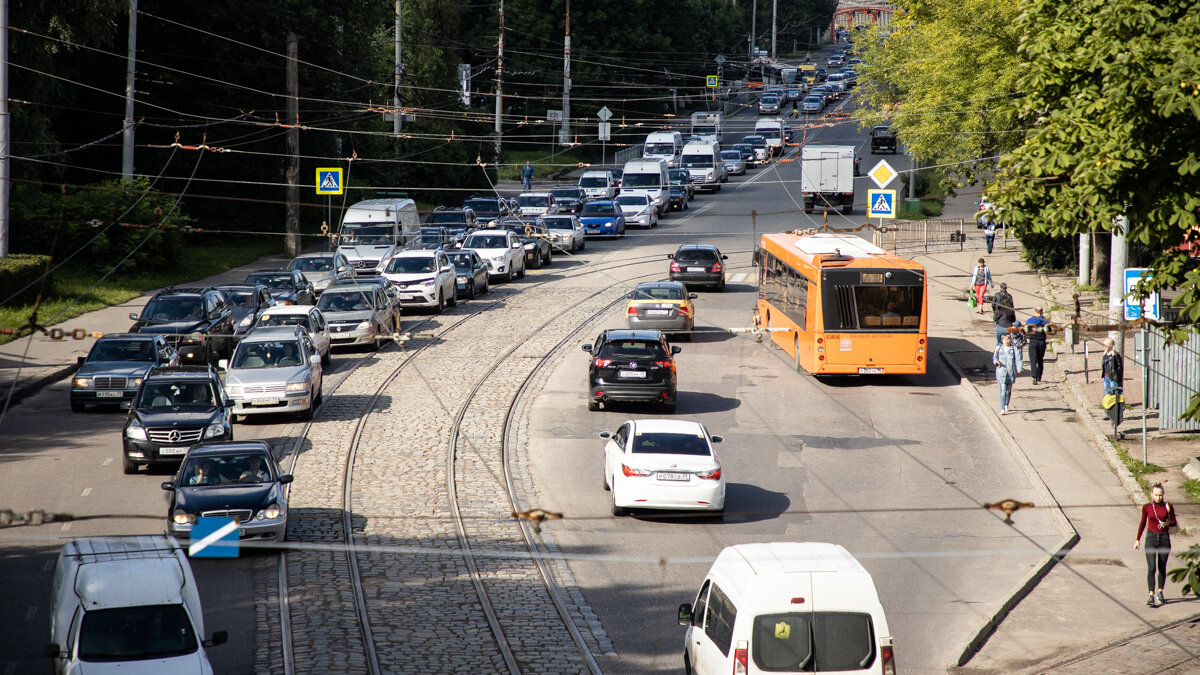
pixel 605 131
pixel 329 183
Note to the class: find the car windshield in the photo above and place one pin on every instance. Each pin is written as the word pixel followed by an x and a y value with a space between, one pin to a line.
pixel 241 299
pixel 411 265
pixel 175 394
pixel 533 200
pixel 598 210
pixel 431 236
pixel 446 218
pixel 669 444
pixel 593 181
pixel 566 192
pixel 735 155
pixel 813 641
pixel 268 354
pixel 486 241
pixel 136 633
pixel 272 281
pixel 367 234
pixel 633 200
pixel 463 261
pixel 352 301
pixel 770 100
pixel 627 350
pixel 756 141
pixel 314 264
pixel 659 150
pixel 122 350
pixel 174 308
pixel 641 180
pixel 744 147
pixel 285 320
pixel 657 293
pixel 242 468
pixel 566 224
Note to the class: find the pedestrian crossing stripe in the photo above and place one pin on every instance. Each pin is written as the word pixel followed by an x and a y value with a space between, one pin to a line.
pixel 881 203
pixel 329 181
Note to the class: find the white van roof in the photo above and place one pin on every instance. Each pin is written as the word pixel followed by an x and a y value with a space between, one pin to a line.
pixel 378 209
pixel 785 576
pixel 790 557
pixel 127 571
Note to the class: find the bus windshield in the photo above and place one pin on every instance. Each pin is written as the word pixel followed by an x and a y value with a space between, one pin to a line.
pixel 870 307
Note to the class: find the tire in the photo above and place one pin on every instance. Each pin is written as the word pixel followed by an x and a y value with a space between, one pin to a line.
pixel 441 303
pixel 668 408
pixel 522 274
pixel 683 337
pixel 617 511
pixel 537 261
pixel 128 467
pixel 604 473
pixel 471 290
pixel 453 301
pixel 327 357
pixel 687 665
pixel 77 407
pixel 306 415
pixel 721 287
pixel 847 210
pixel 487 284
pixel 593 405
pixel 320 398
pixel 583 244
pixel 549 257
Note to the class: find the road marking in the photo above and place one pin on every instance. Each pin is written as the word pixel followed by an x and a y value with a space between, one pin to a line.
pixel 106 462
pixel 31 612
pixel 86 491
pixel 225 529
pixel 740 276
pixel 66 526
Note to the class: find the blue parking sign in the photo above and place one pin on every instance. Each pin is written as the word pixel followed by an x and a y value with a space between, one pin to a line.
pixel 214 538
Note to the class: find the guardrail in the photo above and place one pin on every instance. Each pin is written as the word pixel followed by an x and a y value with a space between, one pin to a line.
pixel 628 154
pixel 912 236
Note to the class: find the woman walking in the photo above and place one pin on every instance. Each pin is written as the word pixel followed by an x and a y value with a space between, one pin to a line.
pixel 981 280
pixel 1007 360
pixel 1158 517
pixel 1112 367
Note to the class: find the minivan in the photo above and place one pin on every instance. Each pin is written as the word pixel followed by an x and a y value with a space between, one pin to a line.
pixel 374 229
pixel 702 159
pixel 648 177
pixel 786 607
pixel 665 145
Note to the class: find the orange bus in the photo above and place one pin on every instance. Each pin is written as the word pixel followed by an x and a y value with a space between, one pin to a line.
pixel 845 306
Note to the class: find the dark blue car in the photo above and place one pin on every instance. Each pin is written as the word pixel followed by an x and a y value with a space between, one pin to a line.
pixel 602 219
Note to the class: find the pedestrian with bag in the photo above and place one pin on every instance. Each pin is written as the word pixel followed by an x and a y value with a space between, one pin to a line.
pixel 1007 360
pixel 527 177
pixel 1035 331
pixel 981 280
pixel 989 232
pixel 1004 311
pixel 1112 367
pixel 1158 517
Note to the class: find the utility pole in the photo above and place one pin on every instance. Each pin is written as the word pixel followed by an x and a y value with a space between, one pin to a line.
pixel 130 78
pixel 753 25
pixel 1116 279
pixel 774 11
pixel 1085 259
pixel 291 239
pixel 500 83
pixel 5 146
pixel 396 116
pixel 564 133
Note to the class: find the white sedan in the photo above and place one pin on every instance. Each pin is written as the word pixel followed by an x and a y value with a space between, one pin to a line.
pixel 638 210
pixel 663 464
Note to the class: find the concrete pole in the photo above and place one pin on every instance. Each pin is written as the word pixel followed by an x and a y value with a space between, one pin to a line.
pixel 130 77
pixel 291 239
pixel 396 116
pixel 1116 280
pixel 5 119
pixel 500 83
pixel 564 132
pixel 753 26
pixel 1085 259
pixel 774 14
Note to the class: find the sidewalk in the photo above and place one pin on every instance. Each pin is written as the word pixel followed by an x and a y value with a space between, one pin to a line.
pixel 1095 594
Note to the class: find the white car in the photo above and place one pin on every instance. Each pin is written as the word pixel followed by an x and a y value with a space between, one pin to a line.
pixel 423 279
pixel 567 232
pixel 598 185
pixel 663 464
pixel 537 204
pixel 638 210
pixel 501 249
pixel 307 317
pixel 274 370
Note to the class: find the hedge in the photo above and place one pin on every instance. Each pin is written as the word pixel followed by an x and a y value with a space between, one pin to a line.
pixel 19 270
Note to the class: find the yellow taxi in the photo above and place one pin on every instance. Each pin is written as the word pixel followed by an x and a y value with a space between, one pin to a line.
pixel 663 306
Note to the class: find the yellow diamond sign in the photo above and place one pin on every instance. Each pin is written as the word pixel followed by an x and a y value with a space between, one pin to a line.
pixel 882 174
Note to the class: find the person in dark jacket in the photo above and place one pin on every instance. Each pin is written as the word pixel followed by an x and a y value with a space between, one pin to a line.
pixel 1003 311
pixel 1112 366
pixel 1035 331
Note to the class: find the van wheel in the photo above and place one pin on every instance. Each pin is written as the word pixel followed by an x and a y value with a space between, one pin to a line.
pixel 128 466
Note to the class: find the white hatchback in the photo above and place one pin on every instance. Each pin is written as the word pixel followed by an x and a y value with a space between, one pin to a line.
pixel 307 317
pixel 663 464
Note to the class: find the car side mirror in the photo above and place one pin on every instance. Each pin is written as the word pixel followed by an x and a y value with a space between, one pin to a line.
pixel 685 614
pixel 675 350
pixel 229 403
pixel 219 637
pixel 286 478
pixel 692 296
pixel 80 360
pixel 670 256
pixel 717 439
pixel 223 364
pixel 724 257
pixel 587 348
pixel 447 268
pixel 133 315
pixel 605 434
pixel 168 485
pixel 52 650
pixel 516 244
pixel 343 268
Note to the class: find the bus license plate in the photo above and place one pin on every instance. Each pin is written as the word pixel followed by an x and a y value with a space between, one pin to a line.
pixel 632 373
pixel 674 476
pixel 109 394
pixel 173 450
pixel 870 371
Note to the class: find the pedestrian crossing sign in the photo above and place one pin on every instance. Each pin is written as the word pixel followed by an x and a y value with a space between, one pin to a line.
pixel 881 203
pixel 329 181
pixel 710 80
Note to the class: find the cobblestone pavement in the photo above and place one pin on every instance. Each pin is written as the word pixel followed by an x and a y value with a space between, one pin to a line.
pixel 1173 649
pixel 423 608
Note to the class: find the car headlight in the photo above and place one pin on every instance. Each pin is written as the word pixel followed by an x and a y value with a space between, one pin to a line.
pixel 365 325
pixel 137 382
pixel 135 432
pixel 610 223
pixel 181 517
pixel 429 282
pixel 298 386
pixel 233 389
pixel 193 337
pixel 710 175
pixel 83 383
pixel 272 512
pixel 214 430
pixel 498 258
pixel 657 201
pixel 530 246
pixel 246 321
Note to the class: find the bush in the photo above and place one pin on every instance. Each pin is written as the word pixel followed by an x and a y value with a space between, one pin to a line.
pixel 1044 252
pixel 18 271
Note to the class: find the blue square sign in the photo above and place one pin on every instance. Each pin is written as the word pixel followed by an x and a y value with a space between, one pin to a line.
pixel 881 203
pixel 214 538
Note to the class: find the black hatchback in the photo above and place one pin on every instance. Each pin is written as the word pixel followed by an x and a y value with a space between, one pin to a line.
pixel 698 265
pixel 631 365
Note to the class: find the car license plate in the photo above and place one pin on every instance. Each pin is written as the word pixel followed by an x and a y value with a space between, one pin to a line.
pixel 870 371
pixel 635 374
pixel 673 476
pixel 173 450
pixel 658 312
pixel 696 269
pixel 109 394
pixel 405 296
pixel 264 401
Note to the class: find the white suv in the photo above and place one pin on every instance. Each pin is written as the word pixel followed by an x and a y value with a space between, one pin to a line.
pixel 423 279
pixel 307 317
pixel 501 249
pixel 537 204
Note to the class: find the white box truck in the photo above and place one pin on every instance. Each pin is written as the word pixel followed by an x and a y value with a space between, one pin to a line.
pixel 827 177
pixel 665 145
pixel 702 159
pixel 374 229
pixel 648 177
pixel 128 604
pixel 772 130
pixel 707 126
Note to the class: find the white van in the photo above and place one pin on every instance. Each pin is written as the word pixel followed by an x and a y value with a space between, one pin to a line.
pixel 666 145
pixel 786 607
pixel 648 177
pixel 128 604
pixel 772 130
pixel 598 184
pixel 702 159
pixel 374 229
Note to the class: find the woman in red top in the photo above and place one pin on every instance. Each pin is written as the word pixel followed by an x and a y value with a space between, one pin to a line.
pixel 1158 517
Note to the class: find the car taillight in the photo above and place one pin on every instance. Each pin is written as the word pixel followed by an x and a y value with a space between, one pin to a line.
pixel 740 660
pixel 632 310
pixel 715 474
pixel 630 471
pixel 683 310
pixel 889 660
pixel 602 363
pixel 675 267
pixel 663 364
pixel 716 267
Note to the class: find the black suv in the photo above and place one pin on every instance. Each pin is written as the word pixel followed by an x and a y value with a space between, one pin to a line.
pixel 487 209
pixel 883 139
pixel 539 250
pixel 631 365
pixel 176 408
pixel 197 321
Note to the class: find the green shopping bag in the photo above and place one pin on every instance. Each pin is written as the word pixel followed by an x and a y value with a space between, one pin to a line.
pixel 972 302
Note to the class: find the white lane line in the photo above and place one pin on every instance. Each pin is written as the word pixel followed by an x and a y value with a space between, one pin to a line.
pixel 86 491
pixel 66 526
pixel 48 566
pixel 225 529
pixel 31 612
pixel 107 461
pixel 741 276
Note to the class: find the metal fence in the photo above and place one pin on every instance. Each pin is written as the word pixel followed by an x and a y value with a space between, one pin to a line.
pixel 628 154
pixel 924 236
pixel 1172 376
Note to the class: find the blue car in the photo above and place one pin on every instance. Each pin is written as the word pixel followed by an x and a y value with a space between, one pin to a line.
pixel 602 219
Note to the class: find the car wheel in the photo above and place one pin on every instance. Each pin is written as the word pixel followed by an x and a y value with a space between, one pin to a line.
pixel 441 303
pixel 320 398
pixel 77 407
pixel 487 284
pixel 604 473
pixel 617 510
pixel 537 261
pixel 687 665
pixel 521 275
pixel 582 244
pixel 668 408
pixel 549 257
pixel 127 466
pixel 471 289
pixel 453 301
pixel 684 337
pixel 307 415
pixel 327 357
pixel 721 286
pixel 593 405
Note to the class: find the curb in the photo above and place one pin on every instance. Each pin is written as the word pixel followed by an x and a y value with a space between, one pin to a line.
pixel 31 387
pixel 1070 535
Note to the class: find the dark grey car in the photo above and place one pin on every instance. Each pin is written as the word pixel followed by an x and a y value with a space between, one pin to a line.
pixel 471 272
pixel 698 265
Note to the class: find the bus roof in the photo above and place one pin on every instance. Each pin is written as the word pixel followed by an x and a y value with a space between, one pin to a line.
pixel 817 250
